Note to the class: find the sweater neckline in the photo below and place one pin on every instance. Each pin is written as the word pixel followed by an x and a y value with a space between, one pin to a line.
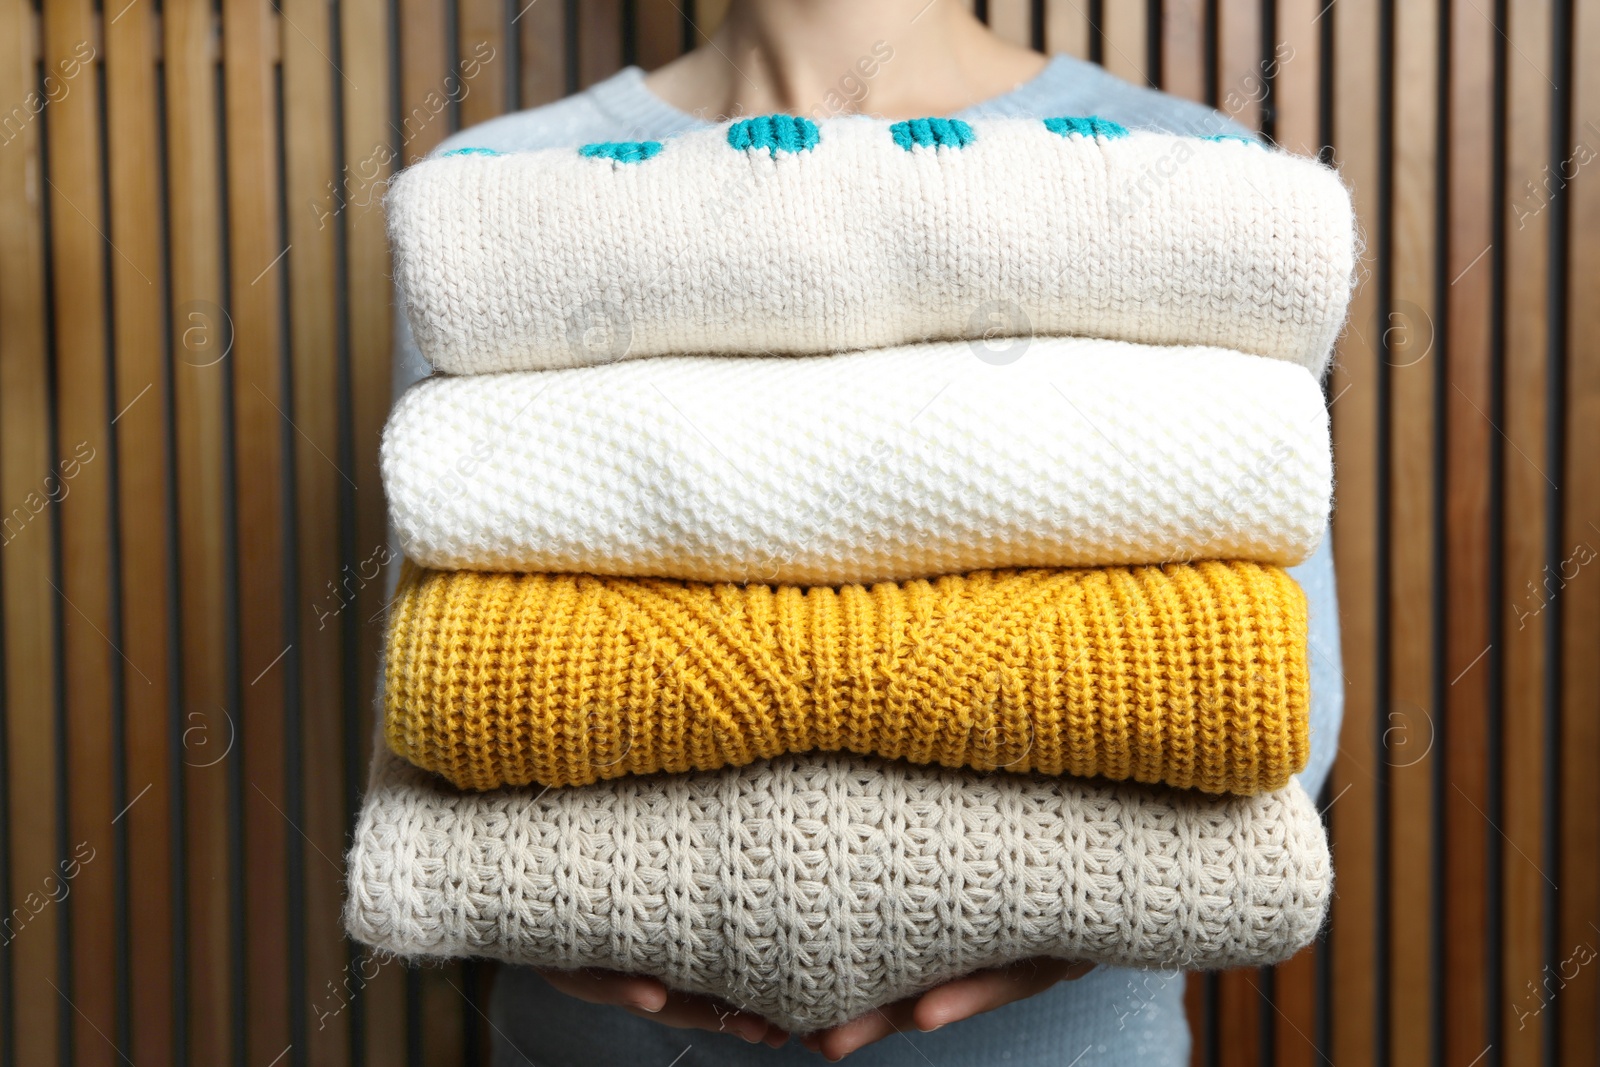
pixel 625 97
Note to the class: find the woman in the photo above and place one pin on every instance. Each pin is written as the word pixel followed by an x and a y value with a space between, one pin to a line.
pixel 894 59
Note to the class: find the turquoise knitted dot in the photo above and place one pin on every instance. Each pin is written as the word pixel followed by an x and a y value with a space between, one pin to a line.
pixel 775 133
pixel 931 133
pixel 621 151
pixel 1092 126
pixel 471 152
pixel 1234 137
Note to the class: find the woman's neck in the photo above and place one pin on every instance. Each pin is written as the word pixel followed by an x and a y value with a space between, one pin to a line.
pixel 895 58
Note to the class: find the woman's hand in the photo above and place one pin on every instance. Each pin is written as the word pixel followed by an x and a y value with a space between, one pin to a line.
pixel 963 998
pixel 649 999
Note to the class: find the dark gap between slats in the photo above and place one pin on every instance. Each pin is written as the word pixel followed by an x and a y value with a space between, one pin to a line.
pixel 1097 37
pixel 452 51
pixel 64 1015
pixel 1267 65
pixel 1555 511
pixel 122 1023
pixel 1211 1041
pixel 178 864
pixel 630 32
pixel 396 121
pixel 414 1017
pixel 1266 1017
pixel 294 850
pixel 1152 42
pixel 510 33
pixel 230 567
pixel 1212 67
pixel 1325 53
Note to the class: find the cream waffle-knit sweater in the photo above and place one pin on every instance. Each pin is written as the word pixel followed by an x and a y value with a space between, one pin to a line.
pixel 872 466
pixel 812 889
pixel 783 236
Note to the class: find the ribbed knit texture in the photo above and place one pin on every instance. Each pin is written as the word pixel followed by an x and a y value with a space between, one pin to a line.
pixel 1191 674
pixel 811 889
pixel 871 466
pixel 549 259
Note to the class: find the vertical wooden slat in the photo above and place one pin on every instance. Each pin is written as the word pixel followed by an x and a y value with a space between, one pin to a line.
pixel 29 931
pixel 367 288
pixel 257 256
pixel 1012 20
pixel 708 16
pixel 1238 1020
pixel 1066 27
pixel 1354 393
pixel 144 496
pixel 1183 43
pixel 1524 864
pixel 369 326
pixel 317 200
pixel 1296 68
pixel 78 271
pixel 425 63
pixel 483 55
pixel 1410 350
pixel 542 29
pixel 1463 719
pixel 202 338
pixel 445 1012
pixel 1126 45
pixel 660 32
pixel 1294 1011
pixel 1240 78
pixel 1579 874
pixel 600 40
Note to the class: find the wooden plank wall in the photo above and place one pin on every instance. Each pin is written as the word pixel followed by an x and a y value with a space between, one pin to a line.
pixel 194 366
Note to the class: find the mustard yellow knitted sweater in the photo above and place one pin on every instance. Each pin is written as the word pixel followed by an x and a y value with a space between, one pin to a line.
pixel 1193 675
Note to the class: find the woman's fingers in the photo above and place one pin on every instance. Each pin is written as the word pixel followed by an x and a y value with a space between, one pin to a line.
pixel 689 1012
pixel 987 990
pixel 609 987
pixel 960 999
pixel 841 1040
pixel 649 999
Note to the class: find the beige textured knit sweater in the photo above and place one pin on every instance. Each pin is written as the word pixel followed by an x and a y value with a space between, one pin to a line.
pixel 812 889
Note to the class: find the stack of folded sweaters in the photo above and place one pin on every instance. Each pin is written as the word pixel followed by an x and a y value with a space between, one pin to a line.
pixel 844 556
